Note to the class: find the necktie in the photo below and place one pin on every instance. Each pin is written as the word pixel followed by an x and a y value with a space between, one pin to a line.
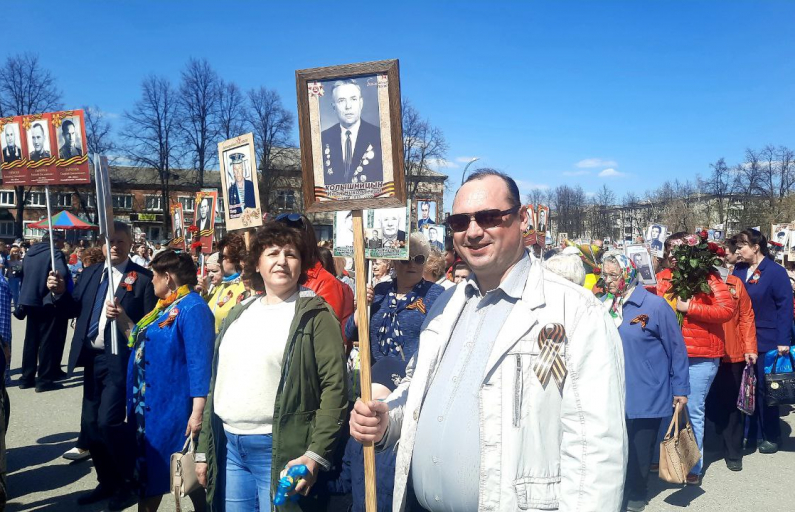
pixel 99 300
pixel 348 151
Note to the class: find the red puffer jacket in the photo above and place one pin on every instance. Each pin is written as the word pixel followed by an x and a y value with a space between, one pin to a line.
pixel 703 325
pixel 320 281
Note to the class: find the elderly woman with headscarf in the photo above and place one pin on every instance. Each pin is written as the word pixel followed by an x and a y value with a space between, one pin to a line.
pixel 399 307
pixel 656 366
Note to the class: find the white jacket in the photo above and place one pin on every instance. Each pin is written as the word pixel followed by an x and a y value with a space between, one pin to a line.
pixel 540 449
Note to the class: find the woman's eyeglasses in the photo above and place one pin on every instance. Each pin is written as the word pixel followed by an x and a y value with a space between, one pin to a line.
pixel 485 218
pixel 418 259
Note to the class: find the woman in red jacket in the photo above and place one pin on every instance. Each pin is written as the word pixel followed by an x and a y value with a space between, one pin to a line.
pixel 740 350
pixel 702 329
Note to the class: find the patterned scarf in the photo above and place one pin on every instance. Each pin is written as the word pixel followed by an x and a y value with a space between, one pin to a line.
pixel 390 336
pixel 626 284
pixel 162 306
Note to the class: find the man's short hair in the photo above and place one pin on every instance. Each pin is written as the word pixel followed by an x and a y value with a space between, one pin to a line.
pixel 431 229
pixel 39 126
pixel 513 190
pixel 65 126
pixel 347 81
pixel 122 226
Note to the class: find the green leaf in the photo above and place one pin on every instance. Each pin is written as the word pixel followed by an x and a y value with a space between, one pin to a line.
pixel 694 262
pixel 705 288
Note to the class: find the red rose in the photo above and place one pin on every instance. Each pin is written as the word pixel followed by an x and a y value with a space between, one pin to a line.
pixel 597 271
pixel 712 246
pixel 720 252
pixel 703 234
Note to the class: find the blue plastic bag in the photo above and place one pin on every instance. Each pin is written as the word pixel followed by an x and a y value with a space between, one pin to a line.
pixel 784 364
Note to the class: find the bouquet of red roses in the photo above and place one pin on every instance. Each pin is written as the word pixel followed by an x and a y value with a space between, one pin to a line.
pixel 692 259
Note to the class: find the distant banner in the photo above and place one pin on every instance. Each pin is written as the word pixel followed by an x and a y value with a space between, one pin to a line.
pixel 206 201
pixel 529 235
pixel 45 149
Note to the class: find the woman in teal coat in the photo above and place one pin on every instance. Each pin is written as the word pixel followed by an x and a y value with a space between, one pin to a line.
pixel 168 375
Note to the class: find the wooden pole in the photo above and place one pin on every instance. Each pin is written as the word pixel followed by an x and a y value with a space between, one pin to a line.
pixel 363 320
pixel 49 223
pixel 247 238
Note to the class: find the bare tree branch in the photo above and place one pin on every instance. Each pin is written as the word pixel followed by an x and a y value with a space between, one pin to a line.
pixel 198 110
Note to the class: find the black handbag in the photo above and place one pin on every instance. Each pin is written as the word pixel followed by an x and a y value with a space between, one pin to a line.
pixel 780 387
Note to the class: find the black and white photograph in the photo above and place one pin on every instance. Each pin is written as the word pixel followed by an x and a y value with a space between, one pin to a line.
pixel 641 258
pixel 385 233
pixel 778 233
pixel 206 204
pixel 655 237
pixel 351 133
pixel 717 234
pixel 435 236
pixel 543 215
pixel 38 140
pixel 426 213
pixel 11 143
pixel 343 234
pixel 239 182
pixel 351 136
pixel 70 140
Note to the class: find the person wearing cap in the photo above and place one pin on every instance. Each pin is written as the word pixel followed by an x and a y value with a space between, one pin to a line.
pixel 399 307
pixel 386 374
pixel 241 192
pixel 213 277
pixel 230 291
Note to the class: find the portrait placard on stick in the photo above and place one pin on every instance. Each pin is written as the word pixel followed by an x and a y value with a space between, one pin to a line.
pixel 529 235
pixel 385 233
pixel 205 219
pixel 178 225
pixel 351 136
pixel 426 213
pixel 14 154
pixel 42 150
pixel 69 133
pixel 542 224
pixel 655 237
pixel 239 182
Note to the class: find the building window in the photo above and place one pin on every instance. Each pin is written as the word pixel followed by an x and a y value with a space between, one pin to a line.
pixel 91 201
pixel 35 199
pixel 153 233
pixel 123 202
pixel 7 228
pixel 63 200
pixel 285 199
pixel 187 203
pixel 154 203
pixel 33 233
pixel 7 198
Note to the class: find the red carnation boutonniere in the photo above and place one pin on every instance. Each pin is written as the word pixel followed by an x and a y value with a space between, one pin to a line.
pixel 172 315
pixel 192 228
pixel 196 245
pixel 755 277
pixel 129 281
pixel 223 300
pixel 241 298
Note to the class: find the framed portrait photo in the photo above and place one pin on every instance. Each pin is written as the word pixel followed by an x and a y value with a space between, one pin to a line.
pixel 41 152
pixel 351 136
pixel 343 234
pixel 386 233
pixel 178 225
pixel 13 145
pixel 239 182
pixel 69 135
pixel 204 223
pixel 640 257
pixel 655 237
pixel 529 235
pixel 426 213
pixel 434 233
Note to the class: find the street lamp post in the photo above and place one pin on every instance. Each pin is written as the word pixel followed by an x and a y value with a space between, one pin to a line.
pixel 463 175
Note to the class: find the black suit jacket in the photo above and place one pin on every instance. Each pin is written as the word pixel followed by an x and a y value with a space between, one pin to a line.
pixel 136 303
pixel 10 156
pixel 369 135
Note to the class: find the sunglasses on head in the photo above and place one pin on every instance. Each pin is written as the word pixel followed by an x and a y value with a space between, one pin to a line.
pixel 418 259
pixel 485 218
pixel 293 220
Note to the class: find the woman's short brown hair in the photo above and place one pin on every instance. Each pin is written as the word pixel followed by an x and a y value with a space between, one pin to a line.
pixel 434 264
pixel 180 264
pixel 276 234
pixel 92 255
pixel 235 246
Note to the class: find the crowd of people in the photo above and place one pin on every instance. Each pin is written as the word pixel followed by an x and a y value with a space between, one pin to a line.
pixel 501 379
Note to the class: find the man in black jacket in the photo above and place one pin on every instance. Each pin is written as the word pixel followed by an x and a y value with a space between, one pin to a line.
pixel 45 331
pixel 105 376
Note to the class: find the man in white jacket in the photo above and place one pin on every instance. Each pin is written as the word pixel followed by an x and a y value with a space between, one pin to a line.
pixel 515 400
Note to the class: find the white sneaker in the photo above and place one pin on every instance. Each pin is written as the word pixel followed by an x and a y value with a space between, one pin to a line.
pixel 76 454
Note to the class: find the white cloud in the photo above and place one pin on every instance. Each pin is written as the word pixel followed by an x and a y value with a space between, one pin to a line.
pixel 576 173
pixel 526 186
pixel 440 163
pixel 590 163
pixel 464 159
pixel 611 173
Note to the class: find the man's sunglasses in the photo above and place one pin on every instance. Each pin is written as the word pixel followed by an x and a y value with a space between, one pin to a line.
pixel 418 259
pixel 293 220
pixel 485 218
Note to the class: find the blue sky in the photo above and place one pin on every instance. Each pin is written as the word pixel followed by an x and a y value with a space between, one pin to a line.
pixel 623 93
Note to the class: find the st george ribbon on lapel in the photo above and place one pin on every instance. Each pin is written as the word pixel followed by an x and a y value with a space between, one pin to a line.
pixel 550 362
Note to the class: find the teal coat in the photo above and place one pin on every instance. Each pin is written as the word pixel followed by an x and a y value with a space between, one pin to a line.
pixel 311 402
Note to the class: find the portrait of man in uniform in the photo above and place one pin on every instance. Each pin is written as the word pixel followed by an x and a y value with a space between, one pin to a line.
pixel 241 190
pixel 38 142
pixel 69 141
pixel 352 146
pixel 204 217
pixel 427 212
pixel 177 224
pixel 655 236
pixel 542 220
pixel 433 238
pixel 11 146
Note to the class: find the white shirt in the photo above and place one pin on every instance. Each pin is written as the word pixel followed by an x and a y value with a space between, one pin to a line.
pixel 250 367
pixel 343 137
pixel 118 274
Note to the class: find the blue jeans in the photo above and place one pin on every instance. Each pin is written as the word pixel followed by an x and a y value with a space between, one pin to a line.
pixel 248 472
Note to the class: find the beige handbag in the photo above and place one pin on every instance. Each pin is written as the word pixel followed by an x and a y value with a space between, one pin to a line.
pixel 183 471
pixel 679 450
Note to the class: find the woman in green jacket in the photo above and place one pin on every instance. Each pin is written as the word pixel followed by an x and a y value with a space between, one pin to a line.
pixel 278 394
